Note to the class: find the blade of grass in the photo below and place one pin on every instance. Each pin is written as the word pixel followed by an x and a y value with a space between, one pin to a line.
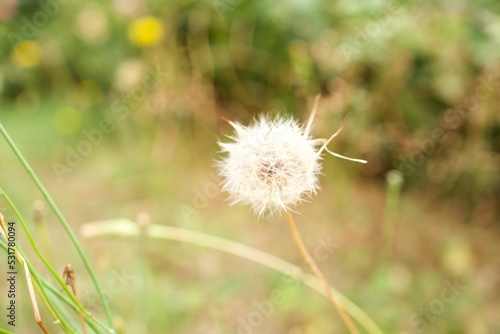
pixel 34 282
pixel 62 322
pixel 43 284
pixel 39 253
pixel 41 227
pixel 90 320
pixel 29 280
pixel 63 221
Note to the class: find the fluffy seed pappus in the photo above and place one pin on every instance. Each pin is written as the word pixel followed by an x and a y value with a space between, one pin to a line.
pixel 273 165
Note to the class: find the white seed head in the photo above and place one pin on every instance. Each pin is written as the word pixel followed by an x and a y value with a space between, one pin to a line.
pixel 272 165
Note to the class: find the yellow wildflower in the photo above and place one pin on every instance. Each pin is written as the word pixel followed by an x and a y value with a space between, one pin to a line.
pixel 145 31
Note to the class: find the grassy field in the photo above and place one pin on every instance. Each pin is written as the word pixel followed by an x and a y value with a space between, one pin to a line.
pixel 119 115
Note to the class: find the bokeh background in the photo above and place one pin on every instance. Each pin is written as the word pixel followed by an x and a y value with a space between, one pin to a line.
pixel 118 105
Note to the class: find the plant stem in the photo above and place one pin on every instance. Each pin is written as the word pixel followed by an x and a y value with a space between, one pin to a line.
pixel 126 228
pixel 50 307
pixel 39 253
pixel 70 278
pixel 394 180
pixel 315 269
pixel 42 230
pixel 42 284
pixel 29 280
pixel 4 331
pixel 63 221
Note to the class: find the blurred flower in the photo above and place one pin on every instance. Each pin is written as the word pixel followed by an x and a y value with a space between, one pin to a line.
pixel 145 31
pixel 128 75
pixel 7 9
pixel 128 7
pixel 272 164
pixel 26 54
pixel 67 120
pixel 91 25
pixel 457 256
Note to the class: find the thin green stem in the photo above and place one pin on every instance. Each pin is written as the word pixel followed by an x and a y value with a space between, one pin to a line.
pixel 315 269
pixel 91 321
pixel 62 322
pixel 63 221
pixel 394 180
pixel 40 255
pixel 42 229
pixel 35 246
pixel 34 282
pixel 128 228
pixel 28 276
pixel 43 284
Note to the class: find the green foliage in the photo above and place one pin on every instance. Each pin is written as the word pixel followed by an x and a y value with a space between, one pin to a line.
pixel 420 81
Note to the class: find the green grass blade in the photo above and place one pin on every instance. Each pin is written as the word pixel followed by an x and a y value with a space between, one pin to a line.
pixel 63 221
pixel 40 255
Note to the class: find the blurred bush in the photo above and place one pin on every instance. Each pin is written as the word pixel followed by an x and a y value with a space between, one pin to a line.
pixel 421 81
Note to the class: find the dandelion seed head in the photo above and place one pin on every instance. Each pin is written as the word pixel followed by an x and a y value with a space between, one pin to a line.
pixel 272 165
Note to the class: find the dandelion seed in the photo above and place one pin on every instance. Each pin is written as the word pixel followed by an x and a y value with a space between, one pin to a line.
pixel 273 165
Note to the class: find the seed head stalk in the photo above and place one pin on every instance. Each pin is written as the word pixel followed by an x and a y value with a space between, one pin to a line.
pixel 315 269
pixel 273 165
